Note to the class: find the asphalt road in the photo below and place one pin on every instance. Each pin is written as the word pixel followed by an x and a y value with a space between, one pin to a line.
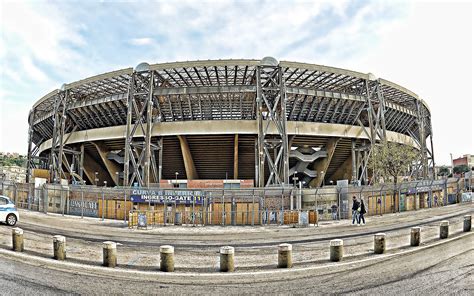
pixel 444 269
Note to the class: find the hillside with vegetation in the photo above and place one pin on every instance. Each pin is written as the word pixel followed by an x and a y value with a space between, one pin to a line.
pixel 12 159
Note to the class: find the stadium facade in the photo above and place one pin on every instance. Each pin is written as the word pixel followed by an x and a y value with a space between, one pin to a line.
pixel 262 120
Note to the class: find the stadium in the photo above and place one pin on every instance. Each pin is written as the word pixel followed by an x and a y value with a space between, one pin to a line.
pixel 252 123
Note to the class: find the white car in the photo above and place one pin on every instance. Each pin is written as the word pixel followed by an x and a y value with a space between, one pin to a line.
pixel 8 212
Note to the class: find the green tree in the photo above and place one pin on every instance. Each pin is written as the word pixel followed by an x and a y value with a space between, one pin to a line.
pixel 10 161
pixel 459 169
pixel 390 159
pixel 443 171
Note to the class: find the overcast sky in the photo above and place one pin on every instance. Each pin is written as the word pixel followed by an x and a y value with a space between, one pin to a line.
pixel 423 46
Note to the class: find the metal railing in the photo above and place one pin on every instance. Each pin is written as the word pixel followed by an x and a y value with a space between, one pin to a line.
pixel 244 206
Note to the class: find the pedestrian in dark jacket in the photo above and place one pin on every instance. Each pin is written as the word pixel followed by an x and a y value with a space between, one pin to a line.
pixel 362 211
pixel 355 207
pixel 334 211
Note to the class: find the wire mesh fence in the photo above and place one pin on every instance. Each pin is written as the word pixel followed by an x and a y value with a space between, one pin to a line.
pixel 145 207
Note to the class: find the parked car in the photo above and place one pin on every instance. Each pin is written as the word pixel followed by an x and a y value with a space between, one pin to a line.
pixel 8 212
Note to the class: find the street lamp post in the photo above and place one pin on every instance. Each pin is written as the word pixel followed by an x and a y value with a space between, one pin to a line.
pixel 96 179
pixel 103 201
pixel 176 179
pixel 295 178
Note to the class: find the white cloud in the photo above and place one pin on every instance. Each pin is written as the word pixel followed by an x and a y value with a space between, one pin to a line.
pixel 13 126
pixel 426 47
pixel 141 41
pixel 32 71
pixel 430 53
pixel 41 31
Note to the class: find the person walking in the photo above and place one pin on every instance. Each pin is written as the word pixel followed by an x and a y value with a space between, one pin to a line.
pixel 362 211
pixel 334 211
pixel 355 212
pixel 379 203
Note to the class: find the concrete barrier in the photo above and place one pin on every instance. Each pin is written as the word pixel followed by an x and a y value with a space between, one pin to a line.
pixel 109 254
pixel 379 243
pixel 284 256
pixel 444 229
pixel 336 250
pixel 226 259
pixel 167 258
pixel 466 227
pixel 59 247
pixel 17 240
pixel 415 236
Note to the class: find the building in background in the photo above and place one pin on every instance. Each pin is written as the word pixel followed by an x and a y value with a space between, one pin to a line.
pixel 15 174
pixel 466 159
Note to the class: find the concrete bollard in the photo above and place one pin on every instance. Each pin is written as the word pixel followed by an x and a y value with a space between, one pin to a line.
pixel 415 236
pixel 379 243
pixel 59 247
pixel 467 223
pixel 284 256
pixel 444 229
pixel 336 250
pixel 227 259
pixel 109 254
pixel 167 258
pixel 17 240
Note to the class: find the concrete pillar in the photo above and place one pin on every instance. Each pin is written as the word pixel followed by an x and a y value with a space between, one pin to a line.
pixel 415 236
pixel 323 165
pixel 284 256
pixel 444 229
pixel 236 156
pixel 379 243
pixel 167 258
pixel 17 240
pixel 111 166
pixel 109 254
pixel 227 259
pixel 336 250
pixel 59 247
pixel 467 223
pixel 190 168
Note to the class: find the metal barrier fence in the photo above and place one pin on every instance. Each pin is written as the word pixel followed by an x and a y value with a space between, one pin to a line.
pixel 203 217
pixel 244 206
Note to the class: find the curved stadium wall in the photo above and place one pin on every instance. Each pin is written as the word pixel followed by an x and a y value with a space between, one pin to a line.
pixel 203 120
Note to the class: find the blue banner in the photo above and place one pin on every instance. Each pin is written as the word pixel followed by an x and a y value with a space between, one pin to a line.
pixel 169 196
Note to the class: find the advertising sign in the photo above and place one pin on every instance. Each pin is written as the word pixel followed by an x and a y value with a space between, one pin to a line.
pixel 141 220
pixel 303 218
pixel 422 187
pixel 168 196
pixel 466 197
pixel 77 207
pixel 402 202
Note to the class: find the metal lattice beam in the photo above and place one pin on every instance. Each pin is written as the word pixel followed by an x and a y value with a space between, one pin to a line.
pixel 142 112
pixel 271 113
